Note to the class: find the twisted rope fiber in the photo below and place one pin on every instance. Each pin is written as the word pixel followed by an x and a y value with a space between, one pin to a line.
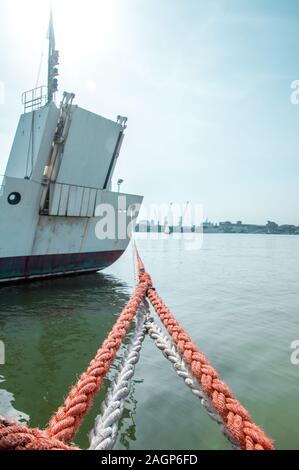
pixel 14 436
pixel 104 433
pixel 235 416
pixel 171 353
pixel 66 421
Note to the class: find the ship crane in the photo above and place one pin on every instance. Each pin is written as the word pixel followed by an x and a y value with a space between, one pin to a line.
pixel 183 217
pixel 168 230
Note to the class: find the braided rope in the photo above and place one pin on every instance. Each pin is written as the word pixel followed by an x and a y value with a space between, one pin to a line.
pixel 215 394
pixel 64 424
pixel 14 436
pixel 235 417
pixel 104 433
pixel 171 353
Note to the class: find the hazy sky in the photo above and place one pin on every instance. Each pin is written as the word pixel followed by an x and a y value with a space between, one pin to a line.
pixel 206 86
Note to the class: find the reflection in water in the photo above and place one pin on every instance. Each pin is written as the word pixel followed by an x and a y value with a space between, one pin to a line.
pixel 6 406
pixel 51 331
pixel 237 297
pixel 127 424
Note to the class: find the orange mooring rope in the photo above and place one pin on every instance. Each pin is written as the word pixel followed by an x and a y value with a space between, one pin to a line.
pixel 14 436
pixel 66 421
pixel 235 416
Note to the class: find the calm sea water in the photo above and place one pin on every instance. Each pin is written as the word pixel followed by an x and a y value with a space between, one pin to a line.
pixel 238 297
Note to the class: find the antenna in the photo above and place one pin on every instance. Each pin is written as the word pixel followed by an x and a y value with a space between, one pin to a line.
pixel 53 61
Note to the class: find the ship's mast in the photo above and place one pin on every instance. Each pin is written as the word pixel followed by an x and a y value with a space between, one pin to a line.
pixel 53 61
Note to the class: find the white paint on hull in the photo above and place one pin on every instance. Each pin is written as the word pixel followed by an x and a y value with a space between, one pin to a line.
pixel 70 227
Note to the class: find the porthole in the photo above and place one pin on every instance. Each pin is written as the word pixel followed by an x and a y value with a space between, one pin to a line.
pixel 14 198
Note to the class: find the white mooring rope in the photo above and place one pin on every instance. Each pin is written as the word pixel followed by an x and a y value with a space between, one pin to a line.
pixel 171 353
pixel 104 433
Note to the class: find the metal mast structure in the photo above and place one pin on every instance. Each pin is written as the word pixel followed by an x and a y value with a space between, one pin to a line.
pixel 53 61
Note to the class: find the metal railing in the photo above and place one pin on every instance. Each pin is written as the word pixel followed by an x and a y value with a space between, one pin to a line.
pixel 35 99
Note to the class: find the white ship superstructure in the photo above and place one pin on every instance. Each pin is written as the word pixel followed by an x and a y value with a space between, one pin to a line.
pixel 58 175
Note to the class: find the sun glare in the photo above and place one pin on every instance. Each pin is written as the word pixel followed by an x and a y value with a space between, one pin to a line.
pixel 81 28
pixel 85 33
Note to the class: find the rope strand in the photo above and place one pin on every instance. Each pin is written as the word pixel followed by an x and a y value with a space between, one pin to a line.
pixel 104 433
pixel 235 417
pixel 190 363
pixel 66 421
pixel 171 353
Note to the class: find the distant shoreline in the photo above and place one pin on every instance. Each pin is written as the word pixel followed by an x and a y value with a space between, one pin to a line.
pixel 271 228
pixel 250 233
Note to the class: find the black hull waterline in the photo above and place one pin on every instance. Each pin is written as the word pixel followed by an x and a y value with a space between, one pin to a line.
pixel 26 268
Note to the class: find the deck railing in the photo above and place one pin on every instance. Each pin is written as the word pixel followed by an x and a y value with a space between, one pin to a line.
pixel 35 99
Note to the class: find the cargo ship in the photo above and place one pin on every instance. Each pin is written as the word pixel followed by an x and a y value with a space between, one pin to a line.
pixel 56 190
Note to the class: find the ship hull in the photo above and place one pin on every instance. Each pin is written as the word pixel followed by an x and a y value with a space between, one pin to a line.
pixel 58 215
pixel 34 246
pixel 23 268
